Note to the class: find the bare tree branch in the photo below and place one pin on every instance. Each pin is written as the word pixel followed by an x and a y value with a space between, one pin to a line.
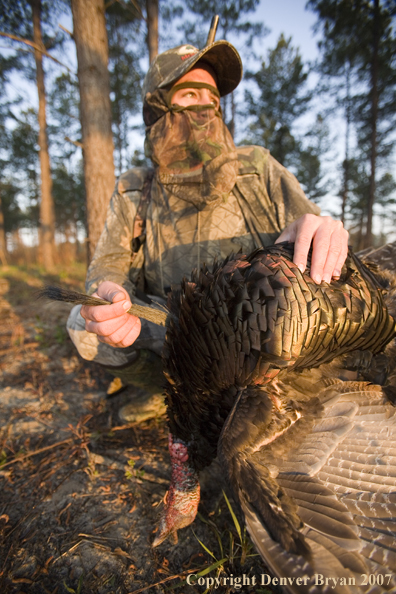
pixel 66 30
pixel 136 5
pixel 75 142
pixel 36 47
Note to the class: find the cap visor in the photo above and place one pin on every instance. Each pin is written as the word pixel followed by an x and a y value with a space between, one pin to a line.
pixel 222 57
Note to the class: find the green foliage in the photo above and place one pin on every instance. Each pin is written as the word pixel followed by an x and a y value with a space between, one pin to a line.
pixel 14 217
pixel 24 162
pixel 339 46
pixel 79 586
pixel 16 18
pixel 358 47
pixel 63 107
pixel 125 50
pixel 134 472
pixel 309 164
pixel 229 539
pixel 356 211
pixel 232 20
pixel 3 457
pixel 283 98
pixel 230 550
pixel 69 196
pixel 11 215
pixel 67 173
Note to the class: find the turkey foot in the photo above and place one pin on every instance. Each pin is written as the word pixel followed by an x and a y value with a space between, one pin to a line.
pixel 182 499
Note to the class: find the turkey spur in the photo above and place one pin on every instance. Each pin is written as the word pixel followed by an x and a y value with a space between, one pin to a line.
pixel 311 458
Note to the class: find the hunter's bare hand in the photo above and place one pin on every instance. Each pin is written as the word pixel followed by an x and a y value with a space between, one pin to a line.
pixel 329 248
pixel 111 323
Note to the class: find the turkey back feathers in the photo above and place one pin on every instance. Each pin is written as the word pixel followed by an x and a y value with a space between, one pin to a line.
pixel 306 453
pixel 252 317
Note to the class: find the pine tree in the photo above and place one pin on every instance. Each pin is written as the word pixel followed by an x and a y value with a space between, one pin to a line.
pixel 22 21
pixel 125 50
pixel 309 160
pixel 12 217
pixel 152 10
pixel 24 162
pixel 95 109
pixel 67 174
pixel 283 98
pixel 232 20
pixel 358 41
pixel 6 65
pixel 377 108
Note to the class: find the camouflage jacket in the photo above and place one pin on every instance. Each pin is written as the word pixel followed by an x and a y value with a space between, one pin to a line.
pixel 179 237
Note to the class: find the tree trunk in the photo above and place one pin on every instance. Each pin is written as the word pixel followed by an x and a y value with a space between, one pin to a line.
pixel 346 163
pixel 233 112
pixel 3 240
pixel 152 28
pixel 374 118
pixel 95 109
pixel 360 243
pixel 47 219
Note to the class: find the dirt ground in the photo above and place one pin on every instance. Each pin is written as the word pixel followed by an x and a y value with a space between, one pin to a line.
pixel 79 492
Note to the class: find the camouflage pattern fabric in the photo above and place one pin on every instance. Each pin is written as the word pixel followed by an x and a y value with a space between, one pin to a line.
pixel 168 67
pixel 195 155
pixel 192 148
pixel 90 348
pixel 204 199
pixel 179 236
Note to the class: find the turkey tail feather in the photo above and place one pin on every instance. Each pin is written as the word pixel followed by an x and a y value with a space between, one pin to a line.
pixel 55 293
pixel 157 316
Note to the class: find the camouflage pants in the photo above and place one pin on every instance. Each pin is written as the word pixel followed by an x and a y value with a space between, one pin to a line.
pixel 90 348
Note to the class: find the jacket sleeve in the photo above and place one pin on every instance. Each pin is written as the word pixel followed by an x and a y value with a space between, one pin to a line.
pixel 287 195
pixel 112 257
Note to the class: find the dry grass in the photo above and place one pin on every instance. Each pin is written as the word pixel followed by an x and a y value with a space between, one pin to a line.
pixel 80 493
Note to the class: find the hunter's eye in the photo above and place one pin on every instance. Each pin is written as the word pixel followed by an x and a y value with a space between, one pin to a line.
pixel 190 94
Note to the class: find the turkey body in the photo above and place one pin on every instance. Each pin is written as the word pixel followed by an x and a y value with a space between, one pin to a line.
pixel 252 318
pixel 311 458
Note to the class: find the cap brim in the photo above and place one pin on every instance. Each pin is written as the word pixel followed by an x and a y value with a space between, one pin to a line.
pixel 222 57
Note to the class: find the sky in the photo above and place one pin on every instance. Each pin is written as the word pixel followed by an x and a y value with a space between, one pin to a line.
pixel 291 18
pixel 281 16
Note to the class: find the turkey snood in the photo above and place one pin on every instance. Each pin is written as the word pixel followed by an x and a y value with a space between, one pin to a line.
pixel 194 151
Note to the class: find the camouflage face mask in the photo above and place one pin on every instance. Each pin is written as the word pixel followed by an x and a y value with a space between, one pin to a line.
pixel 195 153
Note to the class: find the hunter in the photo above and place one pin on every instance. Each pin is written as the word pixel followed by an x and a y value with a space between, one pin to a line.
pixel 203 198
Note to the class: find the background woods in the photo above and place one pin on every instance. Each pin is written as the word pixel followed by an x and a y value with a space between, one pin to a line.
pixel 331 121
pixel 81 491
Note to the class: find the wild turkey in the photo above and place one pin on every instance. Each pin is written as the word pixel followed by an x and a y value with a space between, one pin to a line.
pixel 311 458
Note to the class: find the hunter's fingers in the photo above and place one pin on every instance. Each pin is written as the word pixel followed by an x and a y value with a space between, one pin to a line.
pixel 120 303
pixel 124 336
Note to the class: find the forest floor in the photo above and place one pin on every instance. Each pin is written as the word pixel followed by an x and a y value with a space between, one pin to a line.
pixel 80 493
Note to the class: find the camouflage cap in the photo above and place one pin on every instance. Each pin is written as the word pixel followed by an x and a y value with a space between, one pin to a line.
pixel 169 66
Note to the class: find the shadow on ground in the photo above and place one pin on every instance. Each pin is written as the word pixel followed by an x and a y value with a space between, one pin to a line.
pixel 79 493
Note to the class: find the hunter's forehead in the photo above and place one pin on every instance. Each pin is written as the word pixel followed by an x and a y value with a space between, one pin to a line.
pixel 200 73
